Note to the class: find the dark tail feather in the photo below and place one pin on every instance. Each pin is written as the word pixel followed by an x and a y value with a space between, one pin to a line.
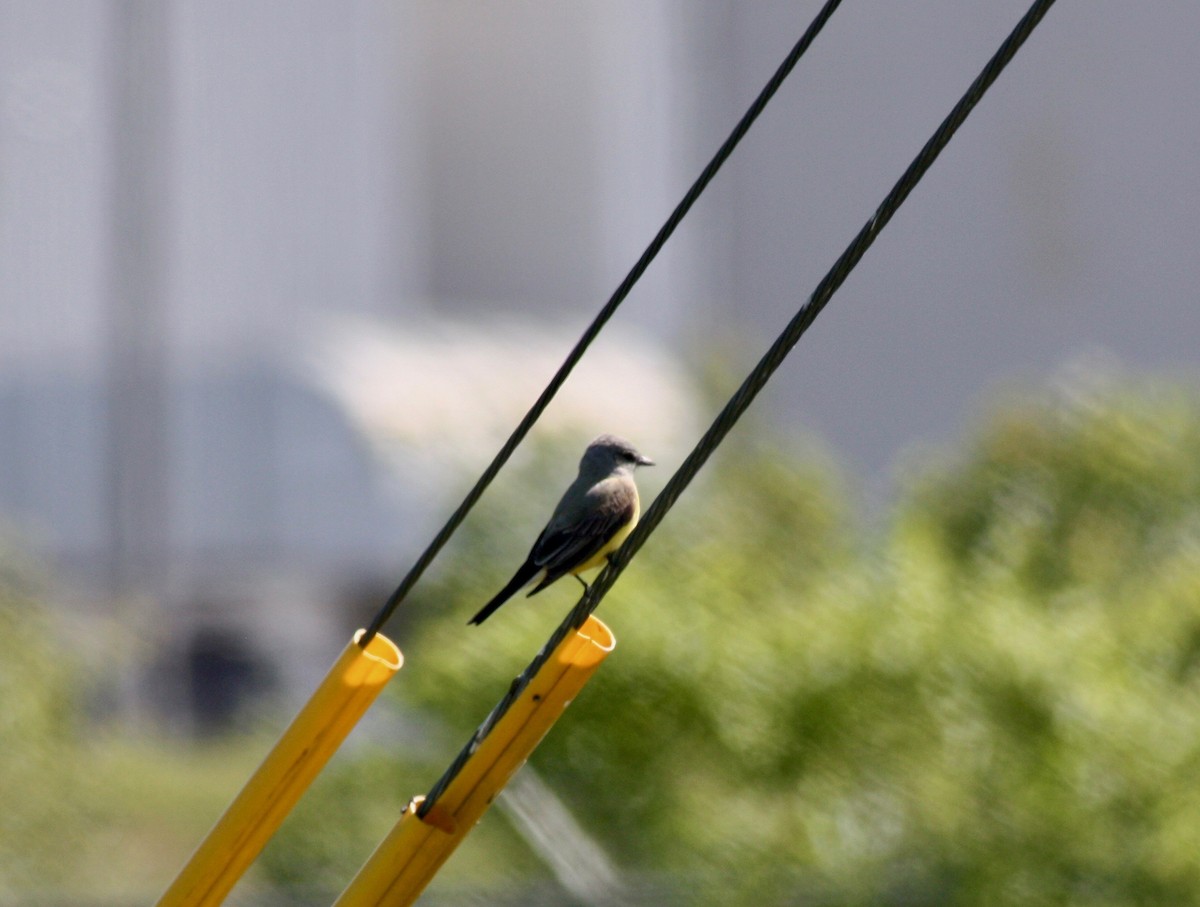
pixel 523 576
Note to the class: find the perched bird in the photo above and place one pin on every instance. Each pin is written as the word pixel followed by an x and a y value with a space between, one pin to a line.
pixel 595 515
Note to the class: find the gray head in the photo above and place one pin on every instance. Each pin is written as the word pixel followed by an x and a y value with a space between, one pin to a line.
pixel 608 453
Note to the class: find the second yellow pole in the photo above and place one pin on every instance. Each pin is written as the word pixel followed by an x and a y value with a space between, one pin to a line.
pixel 408 858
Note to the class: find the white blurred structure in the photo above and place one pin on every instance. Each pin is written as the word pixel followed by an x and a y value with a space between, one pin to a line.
pixel 451 392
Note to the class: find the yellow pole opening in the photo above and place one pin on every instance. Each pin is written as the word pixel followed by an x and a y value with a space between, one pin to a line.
pixel 347 691
pixel 408 858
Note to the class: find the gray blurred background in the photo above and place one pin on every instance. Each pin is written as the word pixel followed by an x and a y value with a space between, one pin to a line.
pixel 276 279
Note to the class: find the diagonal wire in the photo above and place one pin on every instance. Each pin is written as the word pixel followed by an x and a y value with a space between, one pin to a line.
pixel 757 378
pixel 618 296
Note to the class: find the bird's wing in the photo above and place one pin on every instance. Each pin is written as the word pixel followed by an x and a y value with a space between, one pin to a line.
pixel 563 547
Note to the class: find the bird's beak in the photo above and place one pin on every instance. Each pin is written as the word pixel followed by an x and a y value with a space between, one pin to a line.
pixel 644 461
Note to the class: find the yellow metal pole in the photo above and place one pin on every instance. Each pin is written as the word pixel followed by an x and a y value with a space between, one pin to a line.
pixel 408 858
pixel 313 736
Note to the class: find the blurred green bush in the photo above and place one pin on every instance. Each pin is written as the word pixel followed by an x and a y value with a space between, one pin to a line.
pixel 37 721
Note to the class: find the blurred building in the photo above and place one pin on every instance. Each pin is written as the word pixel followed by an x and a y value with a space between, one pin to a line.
pixel 196 200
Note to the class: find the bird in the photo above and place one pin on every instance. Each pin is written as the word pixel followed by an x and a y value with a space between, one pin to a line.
pixel 595 515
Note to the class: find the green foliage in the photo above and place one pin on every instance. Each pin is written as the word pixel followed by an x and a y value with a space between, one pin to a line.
pixel 1084 490
pixel 37 724
pixel 1060 558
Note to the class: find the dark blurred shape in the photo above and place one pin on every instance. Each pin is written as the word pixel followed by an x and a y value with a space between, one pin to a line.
pixel 226 675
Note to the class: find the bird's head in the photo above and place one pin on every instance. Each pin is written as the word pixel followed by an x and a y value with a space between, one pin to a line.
pixel 608 452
